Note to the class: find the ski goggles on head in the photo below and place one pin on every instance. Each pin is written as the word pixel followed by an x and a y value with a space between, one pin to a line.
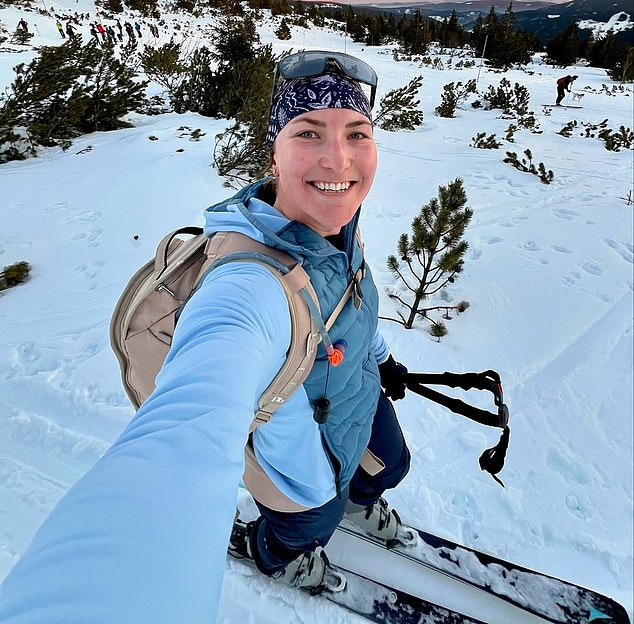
pixel 310 63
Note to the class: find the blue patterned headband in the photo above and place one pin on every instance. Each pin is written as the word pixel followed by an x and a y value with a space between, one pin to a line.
pixel 302 95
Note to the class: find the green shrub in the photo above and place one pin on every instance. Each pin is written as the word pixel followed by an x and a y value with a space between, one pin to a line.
pixel 14 274
pixel 527 165
pixel 482 141
pixel 67 91
pixel 512 100
pixel 398 108
pixel 453 94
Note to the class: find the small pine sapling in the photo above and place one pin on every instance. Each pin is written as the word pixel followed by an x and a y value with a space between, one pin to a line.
pixel 453 94
pixel 546 176
pixel 438 330
pixel 566 131
pixel 482 141
pixel 432 257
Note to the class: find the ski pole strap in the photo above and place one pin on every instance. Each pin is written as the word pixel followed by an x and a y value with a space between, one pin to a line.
pixel 487 380
pixel 491 460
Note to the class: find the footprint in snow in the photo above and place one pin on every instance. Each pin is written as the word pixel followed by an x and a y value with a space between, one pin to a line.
pixel 568 215
pixel 530 246
pixel 573 472
pixel 90 270
pixel 492 240
pixel 474 253
pixel 60 207
pixel 625 250
pixel 592 268
pixel 87 216
pixel 578 508
pixel 560 249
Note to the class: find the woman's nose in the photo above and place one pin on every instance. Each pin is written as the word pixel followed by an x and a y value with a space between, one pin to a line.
pixel 336 154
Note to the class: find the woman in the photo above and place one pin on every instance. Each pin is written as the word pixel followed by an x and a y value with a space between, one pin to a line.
pixel 145 532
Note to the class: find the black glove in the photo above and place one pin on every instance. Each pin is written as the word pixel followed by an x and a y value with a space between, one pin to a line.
pixel 393 378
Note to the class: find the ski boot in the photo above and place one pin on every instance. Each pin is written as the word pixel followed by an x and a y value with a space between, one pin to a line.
pixel 311 570
pixel 381 522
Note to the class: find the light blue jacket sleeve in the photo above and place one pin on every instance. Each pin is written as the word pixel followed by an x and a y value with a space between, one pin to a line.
pixel 379 347
pixel 142 537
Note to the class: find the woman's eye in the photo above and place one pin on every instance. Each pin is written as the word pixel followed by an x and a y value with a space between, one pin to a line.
pixel 307 134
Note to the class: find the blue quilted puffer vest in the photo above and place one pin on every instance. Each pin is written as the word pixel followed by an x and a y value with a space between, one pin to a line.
pixel 352 387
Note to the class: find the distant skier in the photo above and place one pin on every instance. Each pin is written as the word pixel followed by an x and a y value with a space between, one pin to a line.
pixel 130 31
pixel 60 28
pixel 22 25
pixel 564 84
pixel 112 37
pixel 70 31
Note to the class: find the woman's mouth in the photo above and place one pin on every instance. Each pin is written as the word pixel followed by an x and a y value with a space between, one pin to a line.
pixel 332 187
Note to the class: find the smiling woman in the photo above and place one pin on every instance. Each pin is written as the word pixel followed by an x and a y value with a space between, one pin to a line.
pixel 320 132
pixel 324 164
pixel 156 512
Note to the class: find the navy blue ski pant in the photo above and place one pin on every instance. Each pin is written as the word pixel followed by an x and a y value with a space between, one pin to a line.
pixel 278 537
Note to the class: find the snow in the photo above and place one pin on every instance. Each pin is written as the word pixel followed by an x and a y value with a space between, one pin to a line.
pixel 618 22
pixel 549 276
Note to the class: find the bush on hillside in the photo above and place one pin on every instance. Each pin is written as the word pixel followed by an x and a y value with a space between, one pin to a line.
pixel 512 100
pixel 67 91
pixel 283 32
pixel 398 109
pixel 527 165
pixel 14 274
pixel 453 94
pixel 482 141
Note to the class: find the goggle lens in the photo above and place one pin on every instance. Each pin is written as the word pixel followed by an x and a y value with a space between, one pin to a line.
pixel 314 62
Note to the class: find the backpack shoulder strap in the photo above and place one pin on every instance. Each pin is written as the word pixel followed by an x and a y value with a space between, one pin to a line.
pixel 226 247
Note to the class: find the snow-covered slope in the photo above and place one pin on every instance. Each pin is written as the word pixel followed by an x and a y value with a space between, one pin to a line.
pixel 548 275
pixel 617 23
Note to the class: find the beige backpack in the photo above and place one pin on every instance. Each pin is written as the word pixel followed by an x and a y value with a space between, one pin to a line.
pixel 145 316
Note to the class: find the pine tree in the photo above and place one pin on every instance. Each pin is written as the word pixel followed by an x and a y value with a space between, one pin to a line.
pixel 414 35
pixel 564 48
pixel 506 46
pixel 452 35
pixel 478 36
pixel 115 6
pixel 67 91
pixel 283 33
pixel 432 256
pixel 398 109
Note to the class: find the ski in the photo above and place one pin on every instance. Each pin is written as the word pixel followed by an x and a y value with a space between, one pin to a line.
pixel 561 106
pixel 548 597
pixel 379 603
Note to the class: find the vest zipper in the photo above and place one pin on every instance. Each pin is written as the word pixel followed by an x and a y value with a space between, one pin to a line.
pixel 334 463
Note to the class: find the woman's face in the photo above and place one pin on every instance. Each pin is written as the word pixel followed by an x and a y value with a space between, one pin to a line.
pixel 325 162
